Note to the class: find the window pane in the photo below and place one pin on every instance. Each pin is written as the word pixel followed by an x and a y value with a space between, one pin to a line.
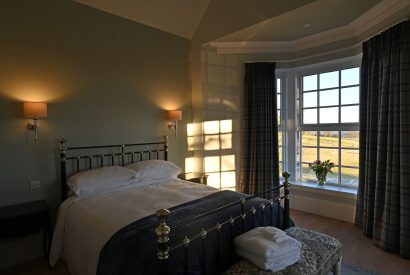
pixel 332 154
pixel 278 103
pixel 350 76
pixel 350 157
pixel 333 177
pixel 329 115
pixel 280 168
pixel 350 95
pixel 280 153
pixel 307 173
pixel 310 116
pixel 226 141
pixel 228 163
pixel 309 138
pixel 350 176
pixel 309 154
pixel 350 114
pixel 309 99
pixel 211 142
pixel 278 85
pixel 280 138
pixel 350 139
pixel 329 139
pixel 310 82
pixel 329 80
pixel 329 97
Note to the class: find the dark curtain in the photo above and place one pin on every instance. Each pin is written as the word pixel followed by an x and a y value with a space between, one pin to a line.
pixel 383 199
pixel 260 154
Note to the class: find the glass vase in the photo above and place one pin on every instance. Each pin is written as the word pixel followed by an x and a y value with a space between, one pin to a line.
pixel 321 179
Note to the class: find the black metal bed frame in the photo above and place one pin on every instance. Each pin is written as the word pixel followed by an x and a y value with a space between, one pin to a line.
pixel 163 230
pixel 85 157
pixel 124 154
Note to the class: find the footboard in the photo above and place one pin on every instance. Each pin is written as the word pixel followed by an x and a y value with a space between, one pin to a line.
pixel 166 246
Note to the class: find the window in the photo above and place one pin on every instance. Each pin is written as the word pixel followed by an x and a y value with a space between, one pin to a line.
pixel 329 124
pixel 279 91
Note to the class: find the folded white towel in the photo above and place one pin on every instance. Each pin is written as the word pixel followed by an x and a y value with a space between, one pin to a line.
pixel 274 234
pixel 272 264
pixel 255 242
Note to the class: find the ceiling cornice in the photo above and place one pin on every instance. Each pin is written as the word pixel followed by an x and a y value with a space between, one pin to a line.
pixel 370 19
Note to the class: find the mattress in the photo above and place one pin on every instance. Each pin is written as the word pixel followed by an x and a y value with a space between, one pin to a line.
pixel 85 224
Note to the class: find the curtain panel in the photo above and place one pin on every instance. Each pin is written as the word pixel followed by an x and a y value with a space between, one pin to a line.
pixel 259 168
pixel 383 199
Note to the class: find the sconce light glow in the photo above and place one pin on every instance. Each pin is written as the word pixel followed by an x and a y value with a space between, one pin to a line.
pixel 34 110
pixel 173 117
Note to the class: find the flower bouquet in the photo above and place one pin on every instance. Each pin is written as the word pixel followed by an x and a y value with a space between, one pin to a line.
pixel 321 168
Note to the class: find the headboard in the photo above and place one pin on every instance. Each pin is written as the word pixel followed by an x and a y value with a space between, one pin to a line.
pixel 77 159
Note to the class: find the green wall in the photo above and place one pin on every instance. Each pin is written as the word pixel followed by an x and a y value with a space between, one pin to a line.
pixel 106 80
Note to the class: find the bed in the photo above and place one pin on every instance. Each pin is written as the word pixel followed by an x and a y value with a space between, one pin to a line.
pixel 152 223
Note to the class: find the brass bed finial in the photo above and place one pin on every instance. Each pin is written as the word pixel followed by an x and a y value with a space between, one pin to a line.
pixel 286 186
pixel 162 233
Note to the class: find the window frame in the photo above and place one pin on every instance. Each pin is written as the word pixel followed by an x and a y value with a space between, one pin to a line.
pixel 282 121
pixel 317 69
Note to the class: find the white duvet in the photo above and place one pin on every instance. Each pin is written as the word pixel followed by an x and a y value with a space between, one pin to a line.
pixel 85 224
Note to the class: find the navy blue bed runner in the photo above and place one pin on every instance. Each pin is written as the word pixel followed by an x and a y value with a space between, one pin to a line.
pixel 132 250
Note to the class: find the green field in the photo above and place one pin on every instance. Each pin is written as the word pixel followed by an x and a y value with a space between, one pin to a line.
pixel 349 155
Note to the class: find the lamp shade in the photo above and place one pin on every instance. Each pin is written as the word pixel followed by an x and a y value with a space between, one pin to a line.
pixel 35 109
pixel 174 115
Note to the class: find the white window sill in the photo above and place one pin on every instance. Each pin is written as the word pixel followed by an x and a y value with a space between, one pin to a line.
pixel 330 190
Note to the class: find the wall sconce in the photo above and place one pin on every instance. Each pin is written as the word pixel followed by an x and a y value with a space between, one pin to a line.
pixel 35 110
pixel 173 117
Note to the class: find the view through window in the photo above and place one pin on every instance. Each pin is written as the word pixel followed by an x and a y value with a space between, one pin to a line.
pixel 329 124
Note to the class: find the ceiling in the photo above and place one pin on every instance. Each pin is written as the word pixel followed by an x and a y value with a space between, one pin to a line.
pixel 315 17
pixel 244 20
pixel 179 17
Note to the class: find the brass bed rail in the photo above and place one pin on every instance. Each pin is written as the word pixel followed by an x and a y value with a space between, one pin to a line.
pixel 163 230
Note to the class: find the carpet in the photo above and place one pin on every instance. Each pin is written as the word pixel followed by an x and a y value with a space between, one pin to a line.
pixel 354 270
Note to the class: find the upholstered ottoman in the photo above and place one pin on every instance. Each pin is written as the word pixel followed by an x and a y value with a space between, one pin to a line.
pixel 320 254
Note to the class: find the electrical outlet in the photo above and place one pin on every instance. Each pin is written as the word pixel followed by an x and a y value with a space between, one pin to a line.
pixel 35 184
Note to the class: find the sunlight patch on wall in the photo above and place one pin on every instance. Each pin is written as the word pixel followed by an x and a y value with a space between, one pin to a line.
pixel 189 165
pixel 194 136
pixel 212 142
pixel 217 134
pixel 212 164
pixel 214 139
pixel 211 127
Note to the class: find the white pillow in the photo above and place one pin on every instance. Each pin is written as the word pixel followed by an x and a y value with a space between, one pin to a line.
pixel 100 179
pixel 155 169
